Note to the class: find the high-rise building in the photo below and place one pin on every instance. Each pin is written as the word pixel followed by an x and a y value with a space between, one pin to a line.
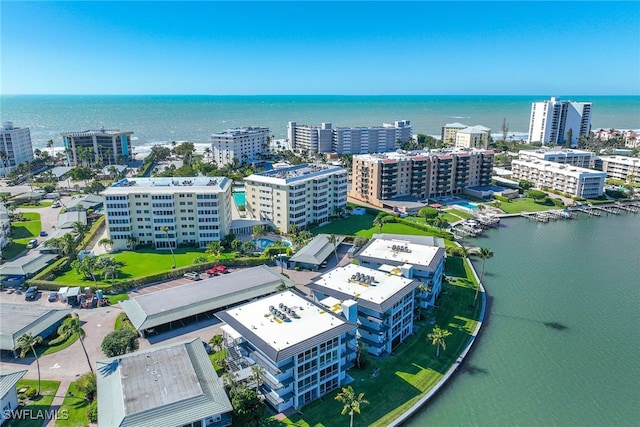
pixel 349 140
pixel 194 210
pixel 300 195
pixel 244 144
pixel 377 178
pixel 554 122
pixel 16 146
pixel 108 145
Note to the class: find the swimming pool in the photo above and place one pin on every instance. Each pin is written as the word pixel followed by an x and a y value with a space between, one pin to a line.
pixel 262 244
pixel 239 199
pixel 467 205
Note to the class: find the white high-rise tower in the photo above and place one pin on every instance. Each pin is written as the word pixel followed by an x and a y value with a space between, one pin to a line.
pixel 555 121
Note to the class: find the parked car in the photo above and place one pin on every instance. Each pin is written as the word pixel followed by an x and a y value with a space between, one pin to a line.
pixel 207 347
pixel 323 264
pixel 217 269
pixel 192 276
pixel 53 297
pixel 43 233
pixel 31 294
pixel 55 204
pixel 32 244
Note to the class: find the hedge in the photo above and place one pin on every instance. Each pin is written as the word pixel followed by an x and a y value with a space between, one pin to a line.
pixel 51 271
pixel 431 230
pixel 501 198
pixel 92 232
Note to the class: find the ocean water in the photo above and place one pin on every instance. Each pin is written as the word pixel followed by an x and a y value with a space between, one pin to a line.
pixel 162 119
pixel 561 345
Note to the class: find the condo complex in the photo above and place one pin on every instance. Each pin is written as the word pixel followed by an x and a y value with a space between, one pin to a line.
pixel 112 146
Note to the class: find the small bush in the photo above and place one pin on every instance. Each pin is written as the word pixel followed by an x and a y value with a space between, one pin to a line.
pixel 31 392
pixel 92 412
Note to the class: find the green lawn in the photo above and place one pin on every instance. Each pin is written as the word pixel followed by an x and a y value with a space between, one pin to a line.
pixel 65 344
pixel 75 406
pixel 362 225
pixel 524 204
pixel 462 214
pixel 42 204
pixel 21 233
pixel 142 262
pixel 47 392
pixel 413 370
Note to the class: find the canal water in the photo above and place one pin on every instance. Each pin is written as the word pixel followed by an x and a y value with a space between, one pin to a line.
pixel 561 346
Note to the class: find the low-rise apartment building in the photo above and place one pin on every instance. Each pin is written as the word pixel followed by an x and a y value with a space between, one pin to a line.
pixel 473 137
pixel 15 142
pixel 348 140
pixel 245 144
pixel 449 132
pixel 414 257
pixel 108 145
pixel 385 303
pixel 304 349
pixel 568 156
pixel 301 195
pixel 621 167
pixel 194 210
pixel 573 180
pixel 387 176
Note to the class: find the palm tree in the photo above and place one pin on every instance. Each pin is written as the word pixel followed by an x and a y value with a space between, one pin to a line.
pixel 422 289
pixel 50 145
pixel 132 241
pixel 28 342
pixel 258 231
pixel 80 228
pixel 214 248
pixel 216 343
pixel 437 337
pixel 3 158
pixel 105 241
pixel 351 402
pixel 379 222
pixel 256 375
pixel 165 230
pixel 74 326
pixel 334 242
pixel 484 254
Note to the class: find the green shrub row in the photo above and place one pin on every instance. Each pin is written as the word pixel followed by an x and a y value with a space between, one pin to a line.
pixel 501 198
pixel 431 230
pixel 145 169
pixel 59 266
pixel 92 232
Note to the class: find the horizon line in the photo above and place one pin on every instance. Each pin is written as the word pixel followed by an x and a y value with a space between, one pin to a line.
pixel 309 94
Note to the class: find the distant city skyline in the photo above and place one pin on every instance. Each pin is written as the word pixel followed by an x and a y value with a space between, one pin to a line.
pixel 318 48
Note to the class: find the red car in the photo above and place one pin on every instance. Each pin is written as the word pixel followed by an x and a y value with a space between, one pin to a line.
pixel 217 269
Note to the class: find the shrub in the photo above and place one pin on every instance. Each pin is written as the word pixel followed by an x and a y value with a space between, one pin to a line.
pixel 92 412
pixel 120 342
pixel 501 198
pixel 31 392
pixel 52 270
pixel 88 386
pixel 430 230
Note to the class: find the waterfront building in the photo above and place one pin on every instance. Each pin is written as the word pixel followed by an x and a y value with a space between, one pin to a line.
pixel 573 180
pixel 16 145
pixel 553 120
pixel 567 156
pixel 348 140
pixel 449 131
pixel 631 139
pixel 108 145
pixel 620 167
pixel 473 137
pixel 171 385
pixel 9 393
pixel 414 257
pixel 385 302
pixel 246 145
pixel 195 210
pixel 303 348
pixel 301 195
pixel 5 226
pixel 381 178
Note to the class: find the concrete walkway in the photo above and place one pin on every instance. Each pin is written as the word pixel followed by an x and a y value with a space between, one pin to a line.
pixel 57 400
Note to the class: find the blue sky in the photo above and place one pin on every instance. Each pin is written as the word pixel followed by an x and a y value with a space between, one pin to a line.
pixel 151 47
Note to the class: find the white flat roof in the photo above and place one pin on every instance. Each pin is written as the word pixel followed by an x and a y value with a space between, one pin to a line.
pixel 342 281
pixel 383 249
pixel 165 185
pixel 295 174
pixel 558 167
pixel 623 160
pixel 308 321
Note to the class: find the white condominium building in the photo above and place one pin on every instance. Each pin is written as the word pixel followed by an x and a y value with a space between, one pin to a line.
pixel 553 121
pixel 349 140
pixel 573 157
pixel 473 137
pixel 377 178
pixel 303 348
pixel 244 144
pixel 109 145
pixel 16 145
pixel 5 226
pixel 621 167
pixel 301 195
pixel 385 303
pixel 194 210
pixel 573 180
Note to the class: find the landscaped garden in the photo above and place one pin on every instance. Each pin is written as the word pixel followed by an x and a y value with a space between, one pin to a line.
pixel 21 233
pixel 413 369
pixel 75 406
pixel 35 404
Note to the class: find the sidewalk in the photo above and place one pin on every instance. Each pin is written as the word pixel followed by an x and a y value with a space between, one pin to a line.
pixel 57 401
